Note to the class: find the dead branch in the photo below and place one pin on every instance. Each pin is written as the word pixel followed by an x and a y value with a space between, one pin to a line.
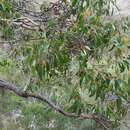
pixel 98 118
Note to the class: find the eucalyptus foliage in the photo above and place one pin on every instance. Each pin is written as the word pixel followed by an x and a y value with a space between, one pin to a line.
pixel 81 65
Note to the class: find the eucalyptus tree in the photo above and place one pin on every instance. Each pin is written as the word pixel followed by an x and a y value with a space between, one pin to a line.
pixel 71 53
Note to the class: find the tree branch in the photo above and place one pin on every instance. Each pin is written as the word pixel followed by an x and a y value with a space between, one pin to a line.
pixel 98 118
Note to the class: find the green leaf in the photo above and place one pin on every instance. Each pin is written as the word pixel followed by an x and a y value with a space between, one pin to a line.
pixel 74 2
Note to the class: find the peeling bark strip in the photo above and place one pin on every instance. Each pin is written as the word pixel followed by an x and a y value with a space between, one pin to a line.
pixel 98 118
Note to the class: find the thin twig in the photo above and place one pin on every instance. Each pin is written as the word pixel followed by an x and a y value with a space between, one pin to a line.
pixel 18 40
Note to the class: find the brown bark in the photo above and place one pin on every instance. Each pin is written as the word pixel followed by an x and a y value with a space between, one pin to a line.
pixel 98 118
